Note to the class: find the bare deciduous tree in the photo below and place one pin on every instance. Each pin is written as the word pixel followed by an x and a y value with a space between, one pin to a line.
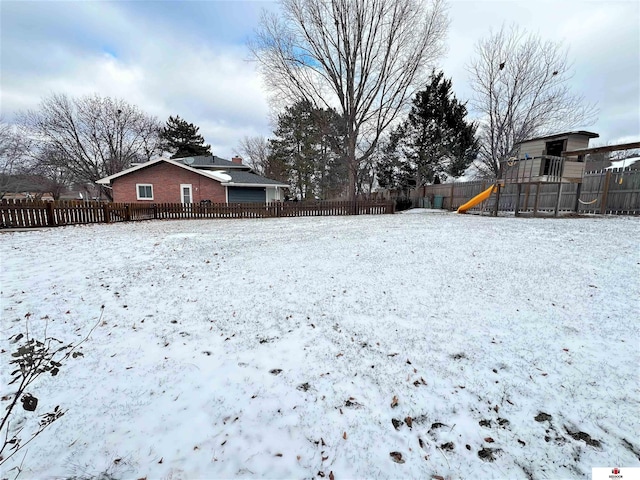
pixel 521 89
pixel 48 166
pixel 10 148
pixel 14 146
pixel 92 137
pixel 255 150
pixel 364 58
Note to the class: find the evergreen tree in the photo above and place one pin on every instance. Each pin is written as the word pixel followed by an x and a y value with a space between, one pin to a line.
pixel 332 174
pixel 394 172
pixel 307 151
pixel 435 139
pixel 182 139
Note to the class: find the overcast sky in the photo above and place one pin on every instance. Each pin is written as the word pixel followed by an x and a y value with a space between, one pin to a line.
pixel 190 58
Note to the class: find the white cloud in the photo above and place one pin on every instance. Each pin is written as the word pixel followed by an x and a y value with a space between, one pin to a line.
pixel 161 71
pixel 603 38
pixel 186 59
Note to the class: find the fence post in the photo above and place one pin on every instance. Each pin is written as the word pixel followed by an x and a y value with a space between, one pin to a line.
pixel 555 211
pixel 155 211
pixel 605 193
pixel 518 192
pixel 576 206
pixel 106 210
pixel 536 203
pixel 127 213
pixel 452 193
pixel 497 205
pixel 51 218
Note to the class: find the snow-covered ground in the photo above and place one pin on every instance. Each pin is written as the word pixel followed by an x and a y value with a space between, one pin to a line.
pixel 275 348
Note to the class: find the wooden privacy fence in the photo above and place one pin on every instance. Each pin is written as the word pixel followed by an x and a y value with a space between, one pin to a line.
pixel 613 191
pixel 21 213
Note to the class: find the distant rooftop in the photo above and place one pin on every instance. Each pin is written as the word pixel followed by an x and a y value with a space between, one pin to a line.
pixel 209 161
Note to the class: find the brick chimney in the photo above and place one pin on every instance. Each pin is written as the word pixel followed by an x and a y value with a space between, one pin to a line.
pixel 237 160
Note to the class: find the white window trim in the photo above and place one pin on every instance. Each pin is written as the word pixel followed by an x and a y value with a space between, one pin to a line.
pixel 182 186
pixel 138 191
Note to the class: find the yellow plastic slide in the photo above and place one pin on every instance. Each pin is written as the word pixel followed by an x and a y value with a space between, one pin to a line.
pixel 477 199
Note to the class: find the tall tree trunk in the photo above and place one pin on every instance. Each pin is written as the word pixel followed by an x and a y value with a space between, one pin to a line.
pixel 352 163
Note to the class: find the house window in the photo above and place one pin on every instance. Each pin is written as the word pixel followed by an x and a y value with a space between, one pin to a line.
pixel 186 195
pixel 145 191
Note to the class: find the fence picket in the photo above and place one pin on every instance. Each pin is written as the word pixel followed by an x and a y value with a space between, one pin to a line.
pixel 620 188
pixel 29 213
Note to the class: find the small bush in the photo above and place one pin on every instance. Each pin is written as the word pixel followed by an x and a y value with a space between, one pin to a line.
pixel 403 203
pixel 31 359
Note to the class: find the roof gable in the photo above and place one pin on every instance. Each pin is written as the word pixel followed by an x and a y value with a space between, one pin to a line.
pixel 140 166
pixel 230 177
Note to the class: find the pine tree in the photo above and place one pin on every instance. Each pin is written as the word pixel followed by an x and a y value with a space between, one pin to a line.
pixel 436 138
pixel 307 150
pixel 182 139
pixel 393 171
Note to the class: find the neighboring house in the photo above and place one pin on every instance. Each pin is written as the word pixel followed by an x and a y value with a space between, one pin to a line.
pixel 602 161
pixel 38 187
pixel 25 187
pixel 632 163
pixel 192 180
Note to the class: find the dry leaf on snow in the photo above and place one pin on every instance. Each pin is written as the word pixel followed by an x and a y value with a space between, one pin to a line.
pixel 396 457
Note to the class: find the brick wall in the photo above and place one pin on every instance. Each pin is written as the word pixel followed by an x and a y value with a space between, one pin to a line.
pixel 166 180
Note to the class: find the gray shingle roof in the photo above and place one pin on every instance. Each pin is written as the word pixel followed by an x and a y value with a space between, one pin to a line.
pixel 238 173
pixel 210 161
pixel 248 177
pixel 220 171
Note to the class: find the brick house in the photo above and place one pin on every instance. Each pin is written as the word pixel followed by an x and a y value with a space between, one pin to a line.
pixel 192 180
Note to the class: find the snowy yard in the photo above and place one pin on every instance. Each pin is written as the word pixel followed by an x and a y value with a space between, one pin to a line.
pixel 275 348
